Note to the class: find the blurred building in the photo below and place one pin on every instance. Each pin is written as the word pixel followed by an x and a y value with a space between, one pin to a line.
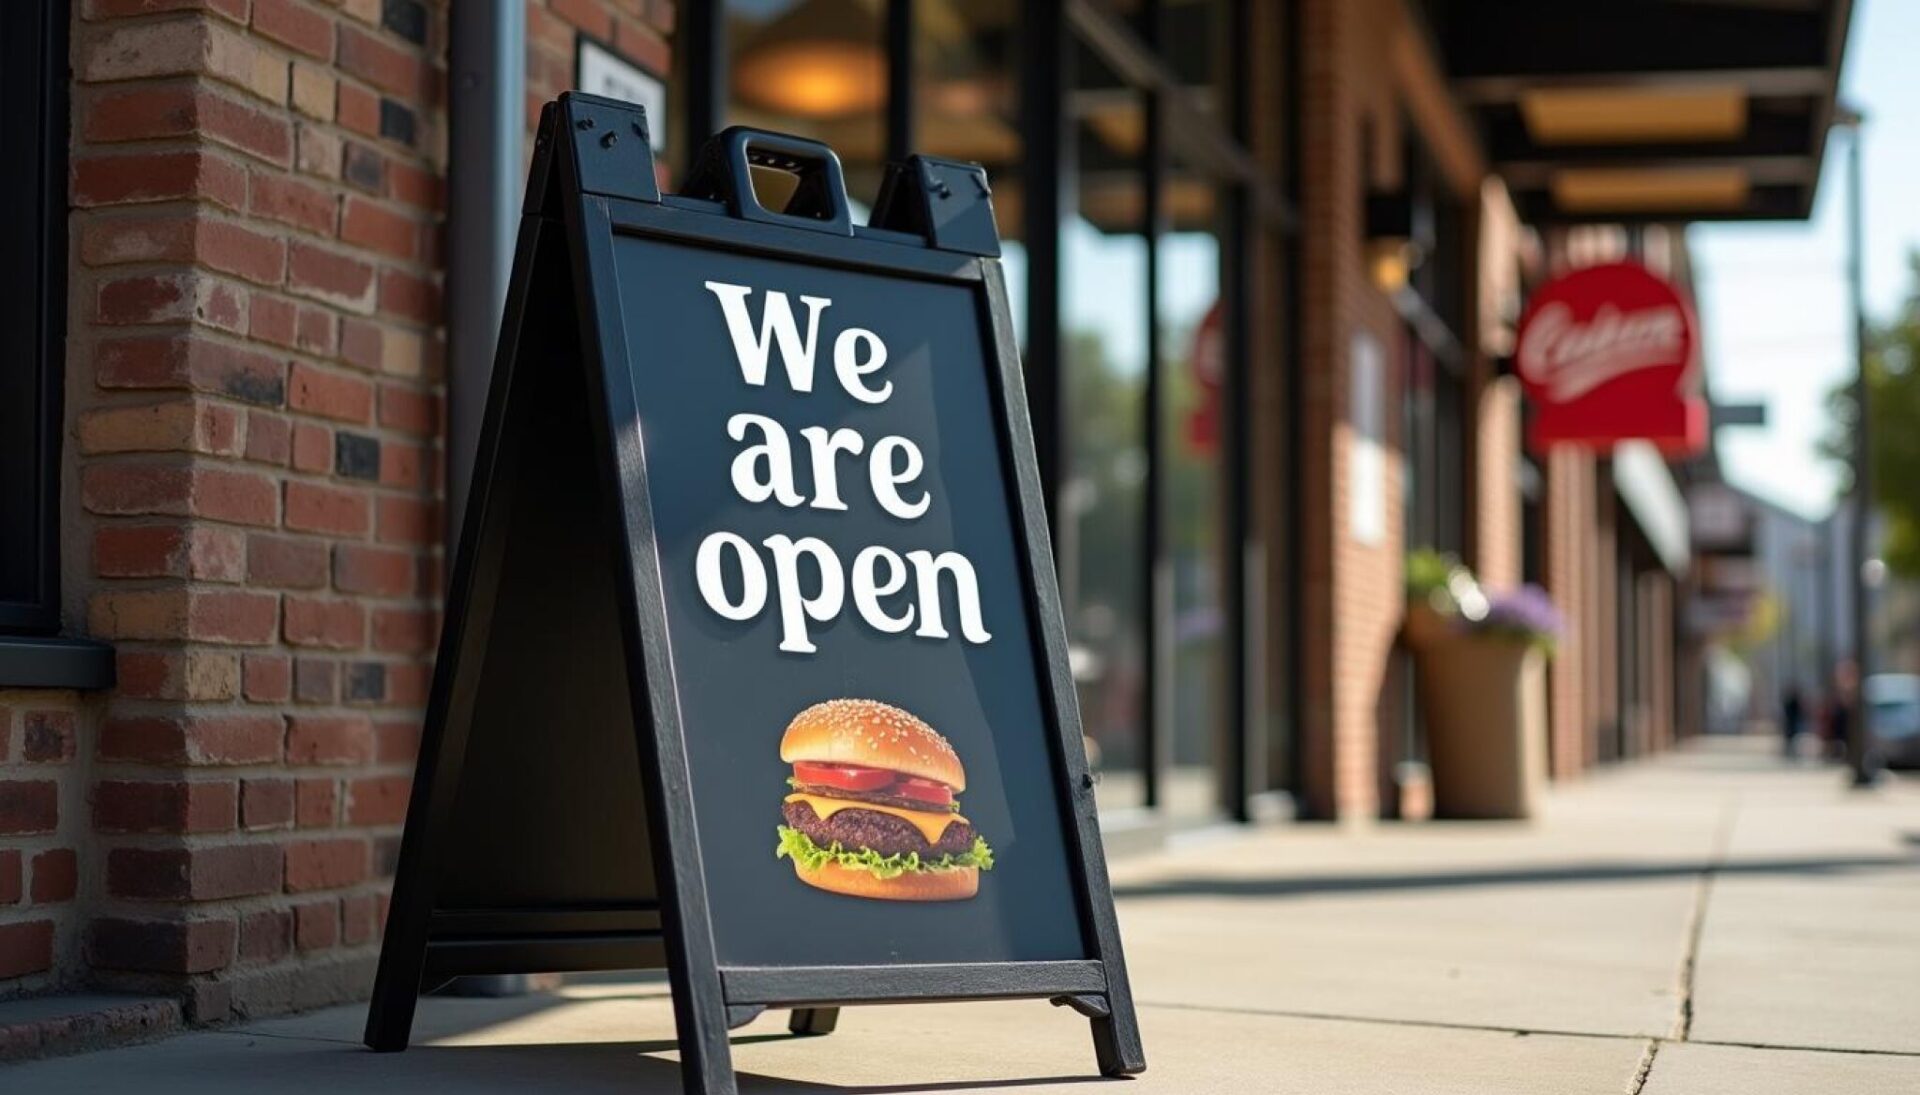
pixel 1267 259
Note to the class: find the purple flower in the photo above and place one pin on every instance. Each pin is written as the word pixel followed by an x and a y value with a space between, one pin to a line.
pixel 1526 613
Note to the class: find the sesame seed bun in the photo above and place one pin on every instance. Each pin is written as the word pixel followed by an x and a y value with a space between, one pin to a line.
pixel 955 885
pixel 874 734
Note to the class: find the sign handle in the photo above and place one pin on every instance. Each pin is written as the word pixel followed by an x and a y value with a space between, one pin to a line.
pixel 724 172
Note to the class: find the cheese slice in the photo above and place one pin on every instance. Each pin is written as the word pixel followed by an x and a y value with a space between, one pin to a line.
pixel 930 824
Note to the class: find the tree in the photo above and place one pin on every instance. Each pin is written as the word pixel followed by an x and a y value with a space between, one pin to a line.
pixel 1893 391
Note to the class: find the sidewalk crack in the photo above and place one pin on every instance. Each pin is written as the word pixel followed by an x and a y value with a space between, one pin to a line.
pixel 1697 919
pixel 1643 1070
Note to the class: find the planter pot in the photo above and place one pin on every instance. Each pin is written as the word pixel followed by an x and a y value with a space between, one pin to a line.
pixel 1485 701
pixel 1424 627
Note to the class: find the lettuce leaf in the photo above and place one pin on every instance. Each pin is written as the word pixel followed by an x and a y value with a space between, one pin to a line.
pixel 801 849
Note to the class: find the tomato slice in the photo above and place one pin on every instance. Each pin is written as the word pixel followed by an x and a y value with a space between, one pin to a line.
pixel 931 792
pixel 847 777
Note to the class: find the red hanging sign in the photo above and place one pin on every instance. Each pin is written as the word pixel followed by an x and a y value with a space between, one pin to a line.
pixel 1603 353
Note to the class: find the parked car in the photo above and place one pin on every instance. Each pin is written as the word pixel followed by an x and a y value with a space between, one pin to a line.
pixel 1895 699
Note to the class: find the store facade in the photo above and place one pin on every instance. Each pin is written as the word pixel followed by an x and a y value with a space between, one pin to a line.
pixel 1266 260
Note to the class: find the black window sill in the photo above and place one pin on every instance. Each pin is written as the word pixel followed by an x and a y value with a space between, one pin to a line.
pixel 27 662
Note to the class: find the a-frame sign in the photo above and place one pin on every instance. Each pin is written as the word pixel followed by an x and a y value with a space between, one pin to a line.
pixel 754 584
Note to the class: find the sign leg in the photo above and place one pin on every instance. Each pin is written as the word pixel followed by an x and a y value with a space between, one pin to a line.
pixel 396 986
pixel 814 1020
pixel 1116 1033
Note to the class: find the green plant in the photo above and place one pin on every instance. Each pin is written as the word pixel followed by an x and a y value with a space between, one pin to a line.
pixel 1441 581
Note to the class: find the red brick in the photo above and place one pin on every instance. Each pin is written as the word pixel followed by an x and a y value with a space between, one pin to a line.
pixel 386 67
pixel 326 864
pixel 644 46
pixel 217 245
pixel 146 112
pixel 316 802
pixel 311 621
pixel 361 343
pixel 175 425
pixel 588 15
pixel 159 176
pixel 266 804
pixel 359 919
pixel 330 395
pixel 266 935
pixel 316 925
pixel 216 493
pixel 147 675
pixel 56 876
pixel 403 630
pixel 315 508
pixel 46 737
pixel 12 889
pixel 186 297
pixel 269 438
pixel 164 806
pixel 194 874
pixel 291 201
pixel 371 570
pixel 405 409
pixel 330 276
pixel 327 740
pixel 295 26
pixel 156 551
pixel 194 363
pixel 235 617
pixel 25 948
pixel 378 800
pixel 208 740
pixel 302 327
pixel 312 447
pixel 29 806
pixel 267 678
pixel 408 521
pixel 377 228
pixel 407 684
pixel 286 563
pixel 409 296
pixel 316 680
pixel 359 110
pixel 396 742
pixel 161 946
pixel 414 186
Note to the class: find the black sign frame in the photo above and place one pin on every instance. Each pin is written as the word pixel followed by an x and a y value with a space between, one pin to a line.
pixel 593 178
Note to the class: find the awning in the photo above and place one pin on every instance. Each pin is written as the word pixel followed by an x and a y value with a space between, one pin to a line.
pixel 1649 110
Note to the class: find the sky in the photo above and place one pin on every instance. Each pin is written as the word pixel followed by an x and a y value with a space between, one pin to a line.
pixel 1773 296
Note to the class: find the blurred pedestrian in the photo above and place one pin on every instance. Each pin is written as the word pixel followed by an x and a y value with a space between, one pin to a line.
pixel 1842 707
pixel 1793 715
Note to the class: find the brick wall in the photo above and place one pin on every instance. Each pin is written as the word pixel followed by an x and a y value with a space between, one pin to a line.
pixel 1367 69
pixel 254 381
pixel 42 823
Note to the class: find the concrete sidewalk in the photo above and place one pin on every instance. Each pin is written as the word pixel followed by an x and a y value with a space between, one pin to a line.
pixel 1715 921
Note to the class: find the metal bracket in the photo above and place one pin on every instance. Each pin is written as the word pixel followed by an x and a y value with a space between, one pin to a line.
pixel 1093 1007
pixel 946 201
pixel 609 142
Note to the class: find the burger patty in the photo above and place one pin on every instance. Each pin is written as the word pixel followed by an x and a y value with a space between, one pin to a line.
pixel 884 833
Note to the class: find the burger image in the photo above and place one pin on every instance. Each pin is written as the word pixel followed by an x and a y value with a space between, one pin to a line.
pixel 873 812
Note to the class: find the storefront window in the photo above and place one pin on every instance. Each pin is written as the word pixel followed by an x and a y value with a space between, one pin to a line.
pixel 1101 526
pixel 966 106
pixel 1193 356
pixel 814 68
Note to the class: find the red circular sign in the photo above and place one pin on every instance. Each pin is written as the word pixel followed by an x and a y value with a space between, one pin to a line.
pixel 1604 352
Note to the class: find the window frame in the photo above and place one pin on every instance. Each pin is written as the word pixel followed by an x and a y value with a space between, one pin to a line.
pixel 33 70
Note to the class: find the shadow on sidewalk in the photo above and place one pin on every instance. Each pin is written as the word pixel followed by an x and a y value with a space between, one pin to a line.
pixel 1574 873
